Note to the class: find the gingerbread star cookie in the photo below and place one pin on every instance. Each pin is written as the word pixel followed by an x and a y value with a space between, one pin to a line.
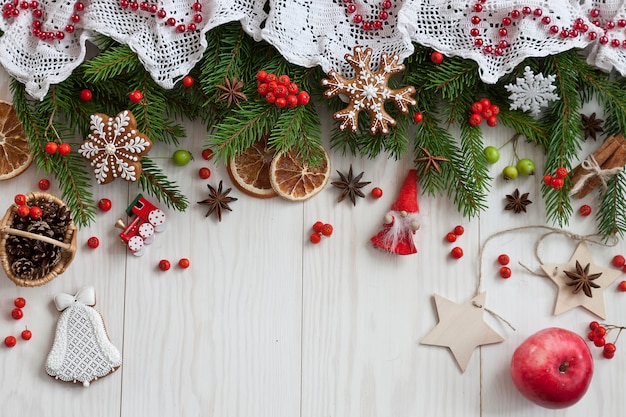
pixel 115 147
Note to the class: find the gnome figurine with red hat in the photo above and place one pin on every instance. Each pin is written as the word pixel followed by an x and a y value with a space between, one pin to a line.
pixel 401 222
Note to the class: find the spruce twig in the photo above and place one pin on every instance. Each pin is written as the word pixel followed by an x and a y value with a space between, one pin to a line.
pixel 155 182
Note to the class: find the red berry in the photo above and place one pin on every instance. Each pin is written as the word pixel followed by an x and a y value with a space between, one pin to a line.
pixel 281 102
pixel 327 229
pixel 23 211
pixel 44 184
pixel 317 227
pixel 492 121
pixel 207 153
pixel 188 81
pixel 303 98
pixel 270 98
pixel 35 213
pixel 271 86
pixel 608 355
pixel 486 113
pixel 504 259
pixel 65 149
pixel 19 199
pixel 456 252
pixel 26 334
pixel 204 173
pixel 475 119
pixel 495 110
pixel 418 117
pixel 104 204
pixel 292 101
pixel 436 58
pixel 610 348
pixel 263 89
pixel 547 180
pixel 164 265
pixel 10 341
pixel 51 148
pixel 377 192
pixel 271 77
pixel 486 103
pixel 85 95
pixel 599 341
pixel 135 96
pixel 93 242
pixel 618 261
pixel 315 238
pixel 183 263
pixel 17 313
pixel 451 237
pixel 459 230
pixel 600 331
pixel 280 91
pixel 505 272
pixel 561 172
pixel 594 325
pixel 292 89
pixel 284 80
pixel 591 335
pixel 261 76
pixel 585 210
pixel 622 286
pixel 19 302
pixel 476 108
pixel 557 183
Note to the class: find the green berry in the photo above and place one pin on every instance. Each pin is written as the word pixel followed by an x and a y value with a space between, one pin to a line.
pixel 492 154
pixel 181 157
pixel 509 172
pixel 525 167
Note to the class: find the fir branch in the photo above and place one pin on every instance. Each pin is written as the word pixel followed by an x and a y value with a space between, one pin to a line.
pixel 298 128
pixel 610 94
pixel 535 131
pixel 111 63
pixel 474 181
pixel 154 182
pixel 611 215
pixel 74 183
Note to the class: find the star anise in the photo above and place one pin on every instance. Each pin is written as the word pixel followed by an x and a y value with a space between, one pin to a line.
pixel 591 126
pixel 430 161
pixel 218 201
pixel 232 91
pixel 517 202
pixel 350 186
pixel 582 280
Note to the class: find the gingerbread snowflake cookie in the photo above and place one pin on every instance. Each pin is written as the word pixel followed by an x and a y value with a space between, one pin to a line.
pixel 369 91
pixel 82 351
pixel 115 147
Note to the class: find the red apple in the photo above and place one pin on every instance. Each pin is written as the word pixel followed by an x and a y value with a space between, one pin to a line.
pixel 552 368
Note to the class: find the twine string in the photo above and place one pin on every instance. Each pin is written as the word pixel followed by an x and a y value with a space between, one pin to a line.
pixel 594 170
pixel 494 314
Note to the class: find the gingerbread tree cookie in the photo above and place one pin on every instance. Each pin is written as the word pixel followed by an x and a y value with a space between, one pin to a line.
pixel 115 147
pixel 82 351
pixel 369 91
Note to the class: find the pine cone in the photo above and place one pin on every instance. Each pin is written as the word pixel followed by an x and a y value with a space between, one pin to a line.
pixel 18 247
pixel 23 268
pixel 59 221
pixel 40 227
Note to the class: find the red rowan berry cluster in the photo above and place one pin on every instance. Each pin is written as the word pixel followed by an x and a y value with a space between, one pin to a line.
pixel 456 252
pixel 17 313
pixel 598 333
pixel 319 229
pixel 558 180
pixel 483 109
pixel 280 91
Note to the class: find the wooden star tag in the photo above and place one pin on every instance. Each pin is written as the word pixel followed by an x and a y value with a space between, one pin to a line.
pixel 461 328
pixel 576 282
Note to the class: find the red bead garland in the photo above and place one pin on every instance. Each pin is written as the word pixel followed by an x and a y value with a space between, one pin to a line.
pixel 366 22
pixel 160 13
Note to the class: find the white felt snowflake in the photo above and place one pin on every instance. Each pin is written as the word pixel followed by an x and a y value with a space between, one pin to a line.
pixel 115 147
pixel 368 91
pixel 532 92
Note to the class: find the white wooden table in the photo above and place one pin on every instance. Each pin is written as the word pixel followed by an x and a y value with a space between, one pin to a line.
pixel 265 324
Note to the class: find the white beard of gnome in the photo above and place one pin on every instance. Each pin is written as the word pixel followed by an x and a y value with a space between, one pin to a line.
pixel 402 221
pixel 81 351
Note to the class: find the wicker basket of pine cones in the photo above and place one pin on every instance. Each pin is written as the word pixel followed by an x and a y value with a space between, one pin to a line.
pixel 34 251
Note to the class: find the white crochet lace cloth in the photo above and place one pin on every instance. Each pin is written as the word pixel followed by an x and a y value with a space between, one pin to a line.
pixel 311 33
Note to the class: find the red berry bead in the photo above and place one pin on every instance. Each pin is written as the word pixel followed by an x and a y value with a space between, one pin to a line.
pixel 599 341
pixel 456 252
pixel 65 149
pixel 19 199
pixel 618 261
pixel 561 172
pixel 377 192
pixel 188 81
pixel 585 210
pixel 459 230
pixel 608 354
pixel 23 211
pixel 486 103
pixel 495 110
pixel 183 263
pixel 594 325
pixel 280 91
pixel 547 180
pixel 85 95
pixel 303 98
pixel 292 101
pixel 315 238
pixel 317 227
pixel 93 242
pixel 10 341
pixel 19 302
pixel 600 331
pixel 204 173
pixel 44 184
pixel 591 335
pixel 35 213
pixel 622 286
pixel 135 96
pixel 164 265
pixel 327 229
pixel 261 76
pixel 486 113
pixel 492 121
pixel 610 348
pixel 476 107
pixel 271 77
pixel 293 89
pixel 505 272
pixel 207 154
pixel 475 119
pixel 284 80
pixel 26 334
pixel 104 204
pixel 270 98
pixel 436 58
pixel 451 237
pixel 51 148
pixel 263 89
pixel 17 313
pixel 418 117
pixel 504 259
pixel 281 102
pixel 557 183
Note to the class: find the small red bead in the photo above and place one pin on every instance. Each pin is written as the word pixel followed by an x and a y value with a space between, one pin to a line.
pixel 377 192
pixel 181 28
pixel 456 252
pixel 418 117
pixel 383 15
pixel 85 94
pixel 526 10
pixel 327 229
pixel 188 81
pixel 537 12
pixel 487 50
pixel 594 13
pixel 204 173
pixel 69 28
pixel 621 23
pixel 197 6
pixel 153 8
pixel 622 286
pixel 17 313
pixel 303 98
pixel 351 8
pixel 197 18
pixel 436 58
pixel 44 184
pixel 503 44
pixel 515 14
pixel 367 25
pixel 585 210
pixel 191 27
pixel 592 36
pixel 474 32
pixel 475 20
pixel 506 21
pixel 386 4
pixel 505 272
pixel 377 24
pixel 618 261
pixel 183 263
pixel 478 42
pixel 504 259
pixel 161 14
pixel 65 149
pixel 603 40
pixel 610 25
pixel 26 334
pixel 19 199
pixel 615 43
pixel 357 18
pixel 164 265
pixel 317 227
pixel 35 213
pixel 451 237
pixel 315 238
pixel 124 4
pixel 564 33
pixel 478 7
pixel 546 20
pixel 93 242
pixel 105 204
pixel 554 29
pixel 459 230
pixel 10 341
pixel 170 22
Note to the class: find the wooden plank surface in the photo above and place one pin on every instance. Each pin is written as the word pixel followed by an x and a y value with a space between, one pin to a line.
pixel 264 323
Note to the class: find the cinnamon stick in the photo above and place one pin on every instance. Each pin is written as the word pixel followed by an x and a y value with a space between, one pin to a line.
pixel 611 154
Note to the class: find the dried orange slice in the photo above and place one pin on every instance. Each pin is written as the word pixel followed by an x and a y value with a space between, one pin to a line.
pixel 15 155
pixel 294 180
pixel 250 171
